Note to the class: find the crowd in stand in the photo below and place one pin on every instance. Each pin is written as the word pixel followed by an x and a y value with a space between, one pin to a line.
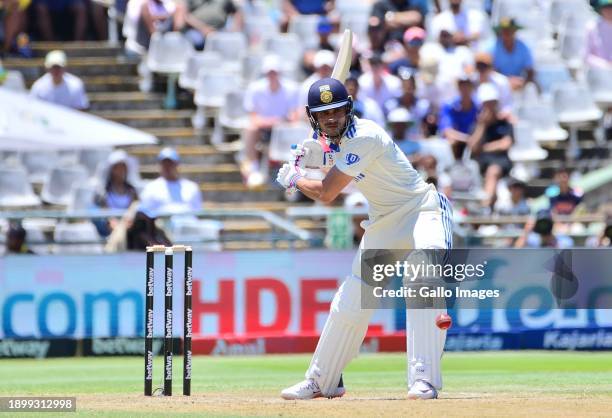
pixel 446 78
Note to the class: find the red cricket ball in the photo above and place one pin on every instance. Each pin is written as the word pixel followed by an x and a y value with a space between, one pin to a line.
pixel 444 321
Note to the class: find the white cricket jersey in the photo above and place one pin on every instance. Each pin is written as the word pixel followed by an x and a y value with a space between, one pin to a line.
pixel 381 171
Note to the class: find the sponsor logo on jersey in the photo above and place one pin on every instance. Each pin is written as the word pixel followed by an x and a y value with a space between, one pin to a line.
pixel 351 158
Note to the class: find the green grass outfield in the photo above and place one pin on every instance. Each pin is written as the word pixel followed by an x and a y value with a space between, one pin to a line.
pixel 373 375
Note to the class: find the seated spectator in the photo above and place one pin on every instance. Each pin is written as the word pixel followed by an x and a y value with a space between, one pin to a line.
pixel 15 17
pixel 292 8
pixel 116 192
pixel 354 201
pixel 400 123
pixel 516 205
pixel 47 10
pixel 486 74
pixel 398 15
pixel 143 232
pixel 59 86
pixel 323 63
pixel 15 241
pixel 364 107
pixel 467 24
pixel 170 192
pixel 599 37
pixel 511 56
pixel 453 60
pixel 563 199
pixel 269 101
pixel 324 30
pixel 418 108
pixel 377 84
pixel 409 59
pixel 539 233
pixel 427 166
pixel 159 16
pixel 458 117
pixel 207 16
pixel 490 142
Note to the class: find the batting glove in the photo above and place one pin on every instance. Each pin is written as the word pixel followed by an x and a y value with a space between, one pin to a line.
pixel 288 176
pixel 310 154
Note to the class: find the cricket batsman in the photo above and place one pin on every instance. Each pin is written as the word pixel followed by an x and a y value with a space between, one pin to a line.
pixel 404 213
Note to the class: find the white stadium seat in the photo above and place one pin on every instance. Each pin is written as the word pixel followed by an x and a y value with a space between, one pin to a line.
pixel 168 53
pixel 231 45
pixel 15 189
pixel 57 188
pixel 525 147
pixel 196 62
pixel 283 136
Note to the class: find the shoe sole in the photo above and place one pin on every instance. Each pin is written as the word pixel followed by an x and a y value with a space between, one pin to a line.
pixel 338 394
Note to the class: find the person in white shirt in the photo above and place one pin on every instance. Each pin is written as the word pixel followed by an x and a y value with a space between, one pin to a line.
pixel 378 84
pixel 323 63
pixel 453 60
pixel 270 100
pixel 170 193
pixel 404 212
pixel 59 86
pixel 364 106
pixel 486 74
pixel 468 24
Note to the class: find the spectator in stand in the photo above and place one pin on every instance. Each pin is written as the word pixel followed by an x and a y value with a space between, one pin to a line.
pixel 16 241
pixel 144 232
pixel 599 37
pixel 364 107
pixel 511 56
pixel 376 36
pixel 116 191
pixel 292 8
pixel 490 142
pixel 413 41
pixel 377 84
pixel 269 101
pixel 516 205
pixel 427 166
pixel 46 10
pixel 539 233
pixel 398 15
pixel 453 60
pixel 420 109
pixel 15 17
pixel 563 199
pixel 169 192
pixel 467 25
pixel 458 117
pixel 323 63
pixel 207 16
pixel 159 16
pixel 324 30
pixel 400 124
pixel 59 86
pixel 486 74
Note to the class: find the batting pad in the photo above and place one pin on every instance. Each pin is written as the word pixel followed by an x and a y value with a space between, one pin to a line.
pixel 424 346
pixel 342 336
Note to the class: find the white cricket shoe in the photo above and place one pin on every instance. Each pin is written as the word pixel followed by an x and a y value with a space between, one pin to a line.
pixel 422 389
pixel 309 389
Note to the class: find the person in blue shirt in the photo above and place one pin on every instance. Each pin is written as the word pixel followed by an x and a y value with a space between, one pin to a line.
pixel 458 117
pixel 511 56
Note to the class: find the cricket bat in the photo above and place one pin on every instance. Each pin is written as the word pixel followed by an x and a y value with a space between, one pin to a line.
pixel 345 55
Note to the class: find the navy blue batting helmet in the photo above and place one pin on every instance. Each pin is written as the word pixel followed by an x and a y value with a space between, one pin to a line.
pixel 325 94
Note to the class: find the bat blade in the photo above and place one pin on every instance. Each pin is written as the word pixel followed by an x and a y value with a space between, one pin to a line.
pixel 345 54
